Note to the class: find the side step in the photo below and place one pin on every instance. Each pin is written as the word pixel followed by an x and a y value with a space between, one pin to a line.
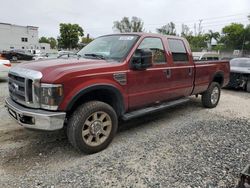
pixel 152 109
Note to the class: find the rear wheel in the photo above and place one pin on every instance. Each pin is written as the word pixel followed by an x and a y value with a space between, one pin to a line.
pixel 248 86
pixel 211 97
pixel 92 127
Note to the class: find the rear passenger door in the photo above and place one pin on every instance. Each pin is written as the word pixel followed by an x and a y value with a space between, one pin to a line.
pixel 181 69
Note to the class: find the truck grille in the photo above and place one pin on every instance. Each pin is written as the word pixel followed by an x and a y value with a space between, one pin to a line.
pixel 23 86
pixel 20 89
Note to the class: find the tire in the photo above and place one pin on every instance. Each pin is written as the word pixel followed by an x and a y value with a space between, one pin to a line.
pixel 92 127
pixel 14 58
pixel 248 86
pixel 211 97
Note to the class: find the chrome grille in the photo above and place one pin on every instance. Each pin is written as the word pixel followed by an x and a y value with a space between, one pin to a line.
pixel 22 86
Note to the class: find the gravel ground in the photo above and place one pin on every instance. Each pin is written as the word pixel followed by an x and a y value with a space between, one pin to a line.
pixel 186 146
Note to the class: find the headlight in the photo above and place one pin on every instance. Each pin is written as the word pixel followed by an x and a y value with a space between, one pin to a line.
pixel 50 96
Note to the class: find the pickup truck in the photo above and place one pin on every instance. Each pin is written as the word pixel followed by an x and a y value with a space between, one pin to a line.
pixel 115 77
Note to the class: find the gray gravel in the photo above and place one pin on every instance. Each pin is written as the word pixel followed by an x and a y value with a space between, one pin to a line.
pixel 186 146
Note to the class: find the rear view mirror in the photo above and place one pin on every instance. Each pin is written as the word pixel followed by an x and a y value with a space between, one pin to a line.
pixel 142 59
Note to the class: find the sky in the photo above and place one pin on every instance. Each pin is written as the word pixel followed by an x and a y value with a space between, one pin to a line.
pixel 96 17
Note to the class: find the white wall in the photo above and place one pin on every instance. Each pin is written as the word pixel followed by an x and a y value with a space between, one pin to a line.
pixel 11 37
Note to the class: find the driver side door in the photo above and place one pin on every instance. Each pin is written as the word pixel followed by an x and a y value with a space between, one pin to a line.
pixel 148 86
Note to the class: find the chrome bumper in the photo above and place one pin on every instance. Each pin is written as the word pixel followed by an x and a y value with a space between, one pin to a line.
pixel 35 118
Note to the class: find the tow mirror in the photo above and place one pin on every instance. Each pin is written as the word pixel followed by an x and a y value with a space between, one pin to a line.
pixel 142 59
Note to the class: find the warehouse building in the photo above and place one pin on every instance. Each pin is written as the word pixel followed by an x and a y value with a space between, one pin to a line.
pixel 20 38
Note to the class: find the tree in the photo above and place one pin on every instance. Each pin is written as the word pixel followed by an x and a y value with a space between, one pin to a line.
pixel 185 31
pixel 233 36
pixel 69 35
pixel 52 41
pixel 43 40
pixel 126 26
pixel 197 43
pixel 246 38
pixel 211 35
pixel 86 40
pixel 168 29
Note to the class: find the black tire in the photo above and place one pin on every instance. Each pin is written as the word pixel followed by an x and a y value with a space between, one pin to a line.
pixel 248 86
pixel 77 121
pixel 14 58
pixel 207 97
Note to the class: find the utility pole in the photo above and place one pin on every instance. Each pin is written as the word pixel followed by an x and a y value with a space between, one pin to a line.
pixel 200 27
pixel 195 29
pixel 242 48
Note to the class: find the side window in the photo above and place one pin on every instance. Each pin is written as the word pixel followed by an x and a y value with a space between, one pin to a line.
pixel 156 47
pixel 178 50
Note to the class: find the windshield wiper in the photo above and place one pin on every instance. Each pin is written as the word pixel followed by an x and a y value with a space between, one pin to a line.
pixel 95 55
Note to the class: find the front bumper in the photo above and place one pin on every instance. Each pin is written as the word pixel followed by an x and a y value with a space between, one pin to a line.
pixel 35 118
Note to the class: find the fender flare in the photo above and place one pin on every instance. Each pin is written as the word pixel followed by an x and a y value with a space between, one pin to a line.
pixel 218 74
pixel 109 87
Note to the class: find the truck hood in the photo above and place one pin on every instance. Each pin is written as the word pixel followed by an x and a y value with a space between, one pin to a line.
pixel 55 69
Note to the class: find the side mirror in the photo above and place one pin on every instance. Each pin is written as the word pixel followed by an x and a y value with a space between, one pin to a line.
pixel 142 59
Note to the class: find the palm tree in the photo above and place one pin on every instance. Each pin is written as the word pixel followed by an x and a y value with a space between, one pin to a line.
pixel 211 35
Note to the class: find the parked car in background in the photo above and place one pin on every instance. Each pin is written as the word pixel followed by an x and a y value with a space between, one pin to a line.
pixel 240 74
pixel 14 55
pixel 39 56
pixel 5 66
pixel 205 56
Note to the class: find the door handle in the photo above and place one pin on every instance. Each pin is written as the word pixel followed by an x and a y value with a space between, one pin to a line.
pixel 167 72
pixel 190 71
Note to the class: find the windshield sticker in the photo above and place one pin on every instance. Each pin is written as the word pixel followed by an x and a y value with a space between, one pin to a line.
pixel 126 38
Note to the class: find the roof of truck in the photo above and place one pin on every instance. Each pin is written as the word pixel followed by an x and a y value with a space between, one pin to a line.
pixel 147 34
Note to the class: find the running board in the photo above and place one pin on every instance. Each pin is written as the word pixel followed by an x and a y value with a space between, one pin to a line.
pixel 152 109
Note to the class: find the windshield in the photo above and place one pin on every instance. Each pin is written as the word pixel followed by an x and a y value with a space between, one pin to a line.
pixel 113 47
pixel 243 62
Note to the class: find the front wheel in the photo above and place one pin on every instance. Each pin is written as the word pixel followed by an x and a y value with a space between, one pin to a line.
pixel 92 127
pixel 211 97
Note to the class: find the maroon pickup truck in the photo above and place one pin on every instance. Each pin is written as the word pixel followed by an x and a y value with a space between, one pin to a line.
pixel 119 76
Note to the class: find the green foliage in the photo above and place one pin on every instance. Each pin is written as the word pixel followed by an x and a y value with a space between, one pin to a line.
pixel 52 41
pixel 43 40
pixel 126 26
pixel 246 39
pixel 197 43
pixel 233 36
pixel 69 35
pixel 212 35
pixel 168 29
pixel 86 40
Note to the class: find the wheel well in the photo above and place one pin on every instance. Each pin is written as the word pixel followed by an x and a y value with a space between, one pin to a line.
pixel 219 78
pixel 104 95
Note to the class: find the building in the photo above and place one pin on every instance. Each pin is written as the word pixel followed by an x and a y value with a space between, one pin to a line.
pixel 20 38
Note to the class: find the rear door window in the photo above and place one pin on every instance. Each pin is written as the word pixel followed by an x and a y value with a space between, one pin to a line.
pixel 178 50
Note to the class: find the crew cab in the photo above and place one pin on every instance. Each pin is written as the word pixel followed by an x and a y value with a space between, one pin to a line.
pixel 115 77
